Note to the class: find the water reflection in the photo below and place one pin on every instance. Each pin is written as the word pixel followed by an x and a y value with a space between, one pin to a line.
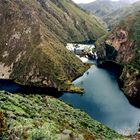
pixel 104 101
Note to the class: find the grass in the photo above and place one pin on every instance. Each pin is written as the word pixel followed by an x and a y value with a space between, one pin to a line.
pixel 44 117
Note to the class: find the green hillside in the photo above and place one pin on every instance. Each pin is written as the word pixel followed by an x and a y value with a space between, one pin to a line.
pixel 35 117
pixel 33 35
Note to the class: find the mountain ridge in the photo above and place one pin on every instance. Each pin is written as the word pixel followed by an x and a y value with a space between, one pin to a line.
pixel 103 7
pixel 33 39
pixel 112 12
pixel 118 15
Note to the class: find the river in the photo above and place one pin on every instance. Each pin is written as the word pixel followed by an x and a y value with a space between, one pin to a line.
pixel 104 101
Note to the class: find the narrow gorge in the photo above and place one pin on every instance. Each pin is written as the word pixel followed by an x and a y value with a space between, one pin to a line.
pixel 69 71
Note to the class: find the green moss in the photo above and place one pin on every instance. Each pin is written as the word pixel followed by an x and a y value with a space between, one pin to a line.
pixel 74 89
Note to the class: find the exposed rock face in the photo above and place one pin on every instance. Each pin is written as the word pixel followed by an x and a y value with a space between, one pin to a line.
pixel 126 41
pixel 32 38
pixel 125 48
pixel 131 87
pixel 132 83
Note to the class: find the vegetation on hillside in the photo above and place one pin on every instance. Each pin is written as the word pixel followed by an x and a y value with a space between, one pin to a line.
pixel 39 117
pixel 33 36
pixel 115 17
pixel 112 12
pixel 3 125
pixel 104 8
pixel 132 25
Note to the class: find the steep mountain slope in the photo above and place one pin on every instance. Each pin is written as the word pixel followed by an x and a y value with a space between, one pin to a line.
pixel 32 39
pixel 125 39
pixel 115 17
pixel 35 117
pixel 102 8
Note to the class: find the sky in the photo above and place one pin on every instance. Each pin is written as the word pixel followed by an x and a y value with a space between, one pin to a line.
pixel 85 1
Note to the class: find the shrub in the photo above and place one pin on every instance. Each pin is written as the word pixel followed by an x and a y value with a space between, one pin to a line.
pixel 3 125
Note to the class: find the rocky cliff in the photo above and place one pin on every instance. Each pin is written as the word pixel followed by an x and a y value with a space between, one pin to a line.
pixel 125 41
pixel 32 39
pixel 106 10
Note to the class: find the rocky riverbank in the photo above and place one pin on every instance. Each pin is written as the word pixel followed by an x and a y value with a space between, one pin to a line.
pixel 122 46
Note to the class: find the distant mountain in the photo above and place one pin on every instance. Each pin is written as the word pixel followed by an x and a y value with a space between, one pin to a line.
pixel 129 1
pixel 112 12
pixel 33 35
pixel 102 8
pixel 118 15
